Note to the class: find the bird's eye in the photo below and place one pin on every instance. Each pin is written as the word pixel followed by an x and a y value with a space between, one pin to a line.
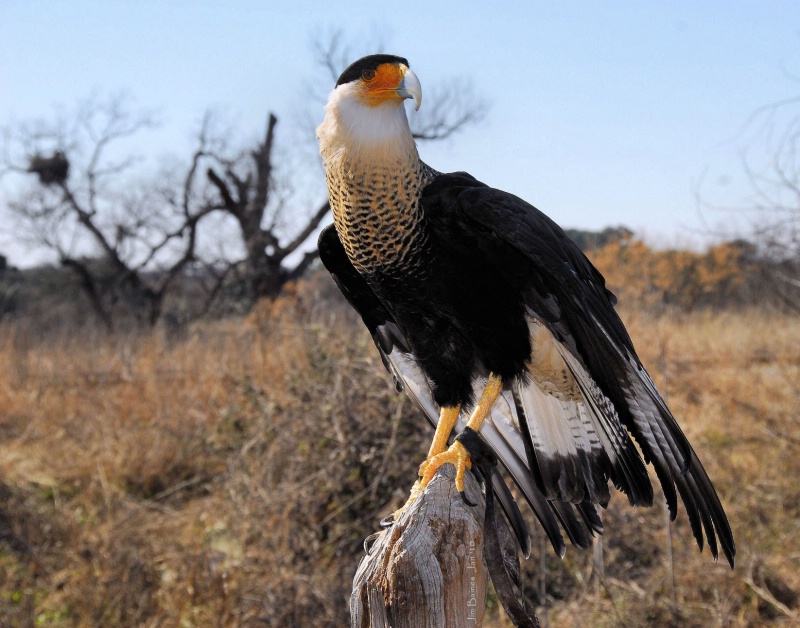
pixel 368 75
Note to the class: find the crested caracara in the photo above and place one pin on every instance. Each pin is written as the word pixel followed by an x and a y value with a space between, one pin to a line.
pixel 493 320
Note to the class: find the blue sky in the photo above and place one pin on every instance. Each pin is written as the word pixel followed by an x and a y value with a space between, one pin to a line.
pixel 601 113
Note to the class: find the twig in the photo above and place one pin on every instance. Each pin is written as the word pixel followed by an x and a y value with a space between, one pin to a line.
pixel 765 595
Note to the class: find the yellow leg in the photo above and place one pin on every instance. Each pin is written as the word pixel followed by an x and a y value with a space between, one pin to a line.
pixel 457 455
pixel 447 419
pixel 490 394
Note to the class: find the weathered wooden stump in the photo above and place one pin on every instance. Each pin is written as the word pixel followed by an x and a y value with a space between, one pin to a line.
pixel 427 569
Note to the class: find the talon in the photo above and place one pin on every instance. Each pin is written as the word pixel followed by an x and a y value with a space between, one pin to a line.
pixel 370 540
pixel 388 520
pixel 466 499
pixel 456 455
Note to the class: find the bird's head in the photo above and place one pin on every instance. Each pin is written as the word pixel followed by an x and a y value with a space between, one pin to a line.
pixel 381 80
pixel 364 110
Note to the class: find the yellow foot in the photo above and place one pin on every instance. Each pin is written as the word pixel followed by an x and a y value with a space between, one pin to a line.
pixel 456 455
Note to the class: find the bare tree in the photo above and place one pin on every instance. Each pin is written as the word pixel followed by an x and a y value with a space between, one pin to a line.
pixel 774 204
pixel 246 190
pixel 776 188
pixel 229 218
pixel 127 244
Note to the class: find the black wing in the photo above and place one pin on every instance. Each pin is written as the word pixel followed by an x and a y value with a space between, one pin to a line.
pixel 567 295
pixel 580 521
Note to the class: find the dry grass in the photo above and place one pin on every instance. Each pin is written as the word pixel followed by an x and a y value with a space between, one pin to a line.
pixel 228 477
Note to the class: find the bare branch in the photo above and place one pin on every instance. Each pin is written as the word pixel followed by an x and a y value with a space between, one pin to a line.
pixel 450 109
pixel 303 265
pixel 90 287
pixel 228 203
pixel 262 156
pixel 311 226
pixel 199 153
pixel 331 54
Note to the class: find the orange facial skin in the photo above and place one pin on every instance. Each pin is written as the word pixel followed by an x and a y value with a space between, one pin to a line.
pixel 383 86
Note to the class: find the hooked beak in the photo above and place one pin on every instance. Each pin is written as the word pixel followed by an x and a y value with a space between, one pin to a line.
pixel 410 88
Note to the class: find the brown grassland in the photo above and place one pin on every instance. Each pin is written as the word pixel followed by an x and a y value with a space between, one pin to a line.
pixel 228 476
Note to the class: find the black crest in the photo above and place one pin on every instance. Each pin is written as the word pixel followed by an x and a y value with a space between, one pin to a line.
pixel 371 62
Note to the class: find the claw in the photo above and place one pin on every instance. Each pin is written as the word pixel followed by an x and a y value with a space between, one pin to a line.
pixel 456 455
pixel 388 520
pixel 465 499
pixel 369 541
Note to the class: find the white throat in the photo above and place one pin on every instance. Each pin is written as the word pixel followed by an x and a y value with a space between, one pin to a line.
pixel 352 131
